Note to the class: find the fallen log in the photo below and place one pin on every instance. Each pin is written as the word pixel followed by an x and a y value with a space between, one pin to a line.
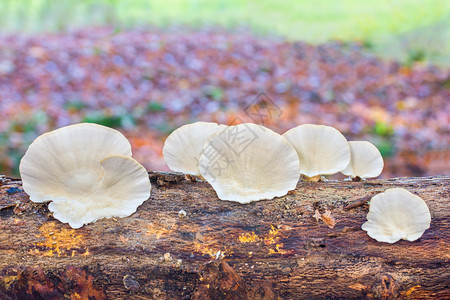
pixel 184 243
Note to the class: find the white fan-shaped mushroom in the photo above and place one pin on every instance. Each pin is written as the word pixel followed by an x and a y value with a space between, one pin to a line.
pixel 397 214
pixel 182 147
pixel 322 150
pixel 366 160
pixel 86 170
pixel 249 162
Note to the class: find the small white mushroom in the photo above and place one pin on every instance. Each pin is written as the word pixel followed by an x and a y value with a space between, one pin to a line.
pixel 366 160
pixel 397 214
pixel 182 147
pixel 322 150
pixel 182 213
pixel 86 170
pixel 249 162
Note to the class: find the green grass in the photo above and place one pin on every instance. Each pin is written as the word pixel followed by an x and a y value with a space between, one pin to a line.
pixel 404 29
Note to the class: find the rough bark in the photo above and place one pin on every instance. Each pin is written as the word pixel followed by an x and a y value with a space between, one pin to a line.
pixel 306 245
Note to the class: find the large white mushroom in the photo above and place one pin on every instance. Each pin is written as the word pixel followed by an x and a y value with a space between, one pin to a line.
pixel 322 150
pixel 182 147
pixel 86 170
pixel 248 162
pixel 397 214
pixel 366 160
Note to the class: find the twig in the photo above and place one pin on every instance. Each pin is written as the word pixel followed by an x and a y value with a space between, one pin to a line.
pixel 358 202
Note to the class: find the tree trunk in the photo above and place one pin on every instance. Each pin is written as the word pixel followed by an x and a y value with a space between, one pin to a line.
pixel 185 243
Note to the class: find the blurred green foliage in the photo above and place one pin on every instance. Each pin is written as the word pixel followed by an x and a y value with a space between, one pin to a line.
pixel 386 147
pixel 392 28
pixel 382 135
pixel 214 92
pixel 75 106
pixel 383 129
pixel 118 120
pixel 155 106
pixel 15 140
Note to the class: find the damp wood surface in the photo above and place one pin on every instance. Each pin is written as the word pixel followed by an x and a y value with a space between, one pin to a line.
pixel 306 245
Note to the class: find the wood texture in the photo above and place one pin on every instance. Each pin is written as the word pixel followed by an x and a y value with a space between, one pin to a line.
pixel 306 245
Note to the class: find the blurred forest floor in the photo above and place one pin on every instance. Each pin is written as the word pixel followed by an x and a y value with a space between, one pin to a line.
pixel 404 30
pixel 146 83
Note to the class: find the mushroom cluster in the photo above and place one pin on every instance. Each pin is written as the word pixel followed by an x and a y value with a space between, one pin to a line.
pixel 237 160
pixel 323 150
pixel 243 163
pixel 87 173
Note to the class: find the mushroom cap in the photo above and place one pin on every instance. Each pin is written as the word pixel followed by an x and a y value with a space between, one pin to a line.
pixel 322 150
pixel 182 147
pixel 87 171
pixel 366 160
pixel 397 214
pixel 248 162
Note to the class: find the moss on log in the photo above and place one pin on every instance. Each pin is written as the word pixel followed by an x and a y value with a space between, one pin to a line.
pixel 306 245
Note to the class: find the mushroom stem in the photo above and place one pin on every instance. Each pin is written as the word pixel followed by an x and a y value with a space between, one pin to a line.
pixel 313 178
pixel 356 178
pixel 194 178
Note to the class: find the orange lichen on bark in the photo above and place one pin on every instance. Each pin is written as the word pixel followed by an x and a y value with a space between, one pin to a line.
pixel 279 250
pixel 270 238
pixel 212 252
pixel 158 230
pixel 60 241
pixel 249 238
pixel 274 238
